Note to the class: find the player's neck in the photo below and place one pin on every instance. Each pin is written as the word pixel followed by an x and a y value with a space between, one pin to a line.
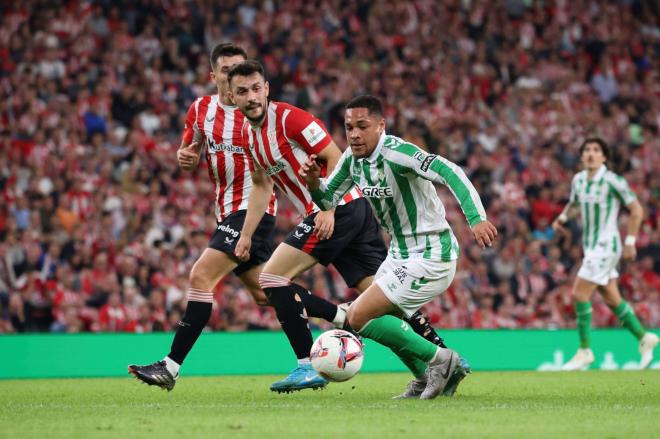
pixel 224 99
pixel 591 172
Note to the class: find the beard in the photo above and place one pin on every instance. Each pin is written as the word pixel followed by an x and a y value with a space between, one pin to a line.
pixel 256 119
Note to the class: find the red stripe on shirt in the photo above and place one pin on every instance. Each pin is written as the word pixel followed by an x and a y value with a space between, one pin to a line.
pixel 297 187
pixel 310 244
pixel 218 129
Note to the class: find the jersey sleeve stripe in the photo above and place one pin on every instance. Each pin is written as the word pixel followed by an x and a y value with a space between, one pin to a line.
pixel 463 190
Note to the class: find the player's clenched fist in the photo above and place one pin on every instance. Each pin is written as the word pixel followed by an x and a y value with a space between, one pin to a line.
pixel 484 233
pixel 242 249
pixel 310 171
pixel 188 157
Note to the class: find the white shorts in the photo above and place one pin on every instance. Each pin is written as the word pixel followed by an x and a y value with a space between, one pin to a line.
pixel 599 268
pixel 411 283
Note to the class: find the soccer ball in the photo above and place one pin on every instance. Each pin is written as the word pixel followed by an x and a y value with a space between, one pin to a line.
pixel 337 355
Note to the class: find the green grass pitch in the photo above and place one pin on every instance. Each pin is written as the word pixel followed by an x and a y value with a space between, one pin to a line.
pixel 488 405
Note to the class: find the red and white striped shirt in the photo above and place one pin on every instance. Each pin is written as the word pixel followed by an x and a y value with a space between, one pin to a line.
pixel 282 144
pixel 228 166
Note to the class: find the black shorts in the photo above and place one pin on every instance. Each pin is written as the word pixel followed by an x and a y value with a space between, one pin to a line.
pixel 356 247
pixel 227 233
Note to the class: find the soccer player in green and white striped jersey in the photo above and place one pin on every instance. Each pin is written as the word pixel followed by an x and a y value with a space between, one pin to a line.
pixel 599 194
pixel 396 178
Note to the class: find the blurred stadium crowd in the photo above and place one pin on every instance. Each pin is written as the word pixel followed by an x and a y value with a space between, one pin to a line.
pixel 98 227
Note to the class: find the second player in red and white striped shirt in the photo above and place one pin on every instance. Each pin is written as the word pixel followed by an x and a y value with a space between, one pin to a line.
pixel 214 124
pixel 219 127
pixel 283 142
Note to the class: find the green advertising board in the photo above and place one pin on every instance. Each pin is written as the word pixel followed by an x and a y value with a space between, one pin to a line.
pixel 266 352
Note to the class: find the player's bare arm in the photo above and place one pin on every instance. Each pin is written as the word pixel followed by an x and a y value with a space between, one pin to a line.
pixel 570 210
pixel 262 188
pixel 310 171
pixel 188 154
pixel 634 223
pixel 324 221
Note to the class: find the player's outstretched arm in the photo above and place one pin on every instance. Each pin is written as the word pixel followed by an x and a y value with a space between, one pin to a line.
pixel 262 188
pixel 327 193
pixel 410 158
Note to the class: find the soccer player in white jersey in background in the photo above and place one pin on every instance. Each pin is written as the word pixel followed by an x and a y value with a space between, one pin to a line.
pixel 599 194
pixel 396 177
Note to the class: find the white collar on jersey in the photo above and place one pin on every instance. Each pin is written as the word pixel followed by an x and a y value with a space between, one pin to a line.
pixel 376 152
pixel 599 174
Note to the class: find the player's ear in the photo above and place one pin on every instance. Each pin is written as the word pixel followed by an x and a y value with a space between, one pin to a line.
pixel 267 87
pixel 230 95
pixel 212 75
pixel 381 125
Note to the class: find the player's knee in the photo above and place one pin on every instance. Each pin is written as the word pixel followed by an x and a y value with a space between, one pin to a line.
pixel 259 297
pixel 200 278
pixel 579 295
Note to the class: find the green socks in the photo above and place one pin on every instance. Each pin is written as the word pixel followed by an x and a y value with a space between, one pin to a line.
pixel 402 340
pixel 628 319
pixel 583 316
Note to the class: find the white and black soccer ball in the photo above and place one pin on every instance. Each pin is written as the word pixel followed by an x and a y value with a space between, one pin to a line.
pixel 337 355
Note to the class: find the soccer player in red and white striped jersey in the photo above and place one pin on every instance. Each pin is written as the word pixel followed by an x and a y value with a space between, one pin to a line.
pixel 214 124
pixel 280 138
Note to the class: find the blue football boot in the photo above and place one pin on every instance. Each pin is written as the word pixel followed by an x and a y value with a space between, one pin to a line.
pixel 302 377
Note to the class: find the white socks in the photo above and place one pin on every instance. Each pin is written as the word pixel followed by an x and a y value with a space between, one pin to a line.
pixel 172 366
pixel 340 318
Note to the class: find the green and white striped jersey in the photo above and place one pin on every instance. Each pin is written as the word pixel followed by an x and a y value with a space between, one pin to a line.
pixel 600 200
pixel 406 205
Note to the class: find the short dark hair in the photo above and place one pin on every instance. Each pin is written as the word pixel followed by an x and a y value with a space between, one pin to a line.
pixel 226 49
pixel 246 68
pixel 604 147
pixel 371 103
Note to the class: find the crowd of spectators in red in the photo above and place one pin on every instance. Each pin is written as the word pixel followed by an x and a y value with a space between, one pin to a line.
pixel 99 229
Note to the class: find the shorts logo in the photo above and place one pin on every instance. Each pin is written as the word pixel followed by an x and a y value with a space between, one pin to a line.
pixel 415 286
pixel 229 241
pixel 306 227
pixel 427 162
pixel 313 133
pixel 400 274
pixel 391 287
pixel 225 228
pixel 297 234
pixel 377 192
